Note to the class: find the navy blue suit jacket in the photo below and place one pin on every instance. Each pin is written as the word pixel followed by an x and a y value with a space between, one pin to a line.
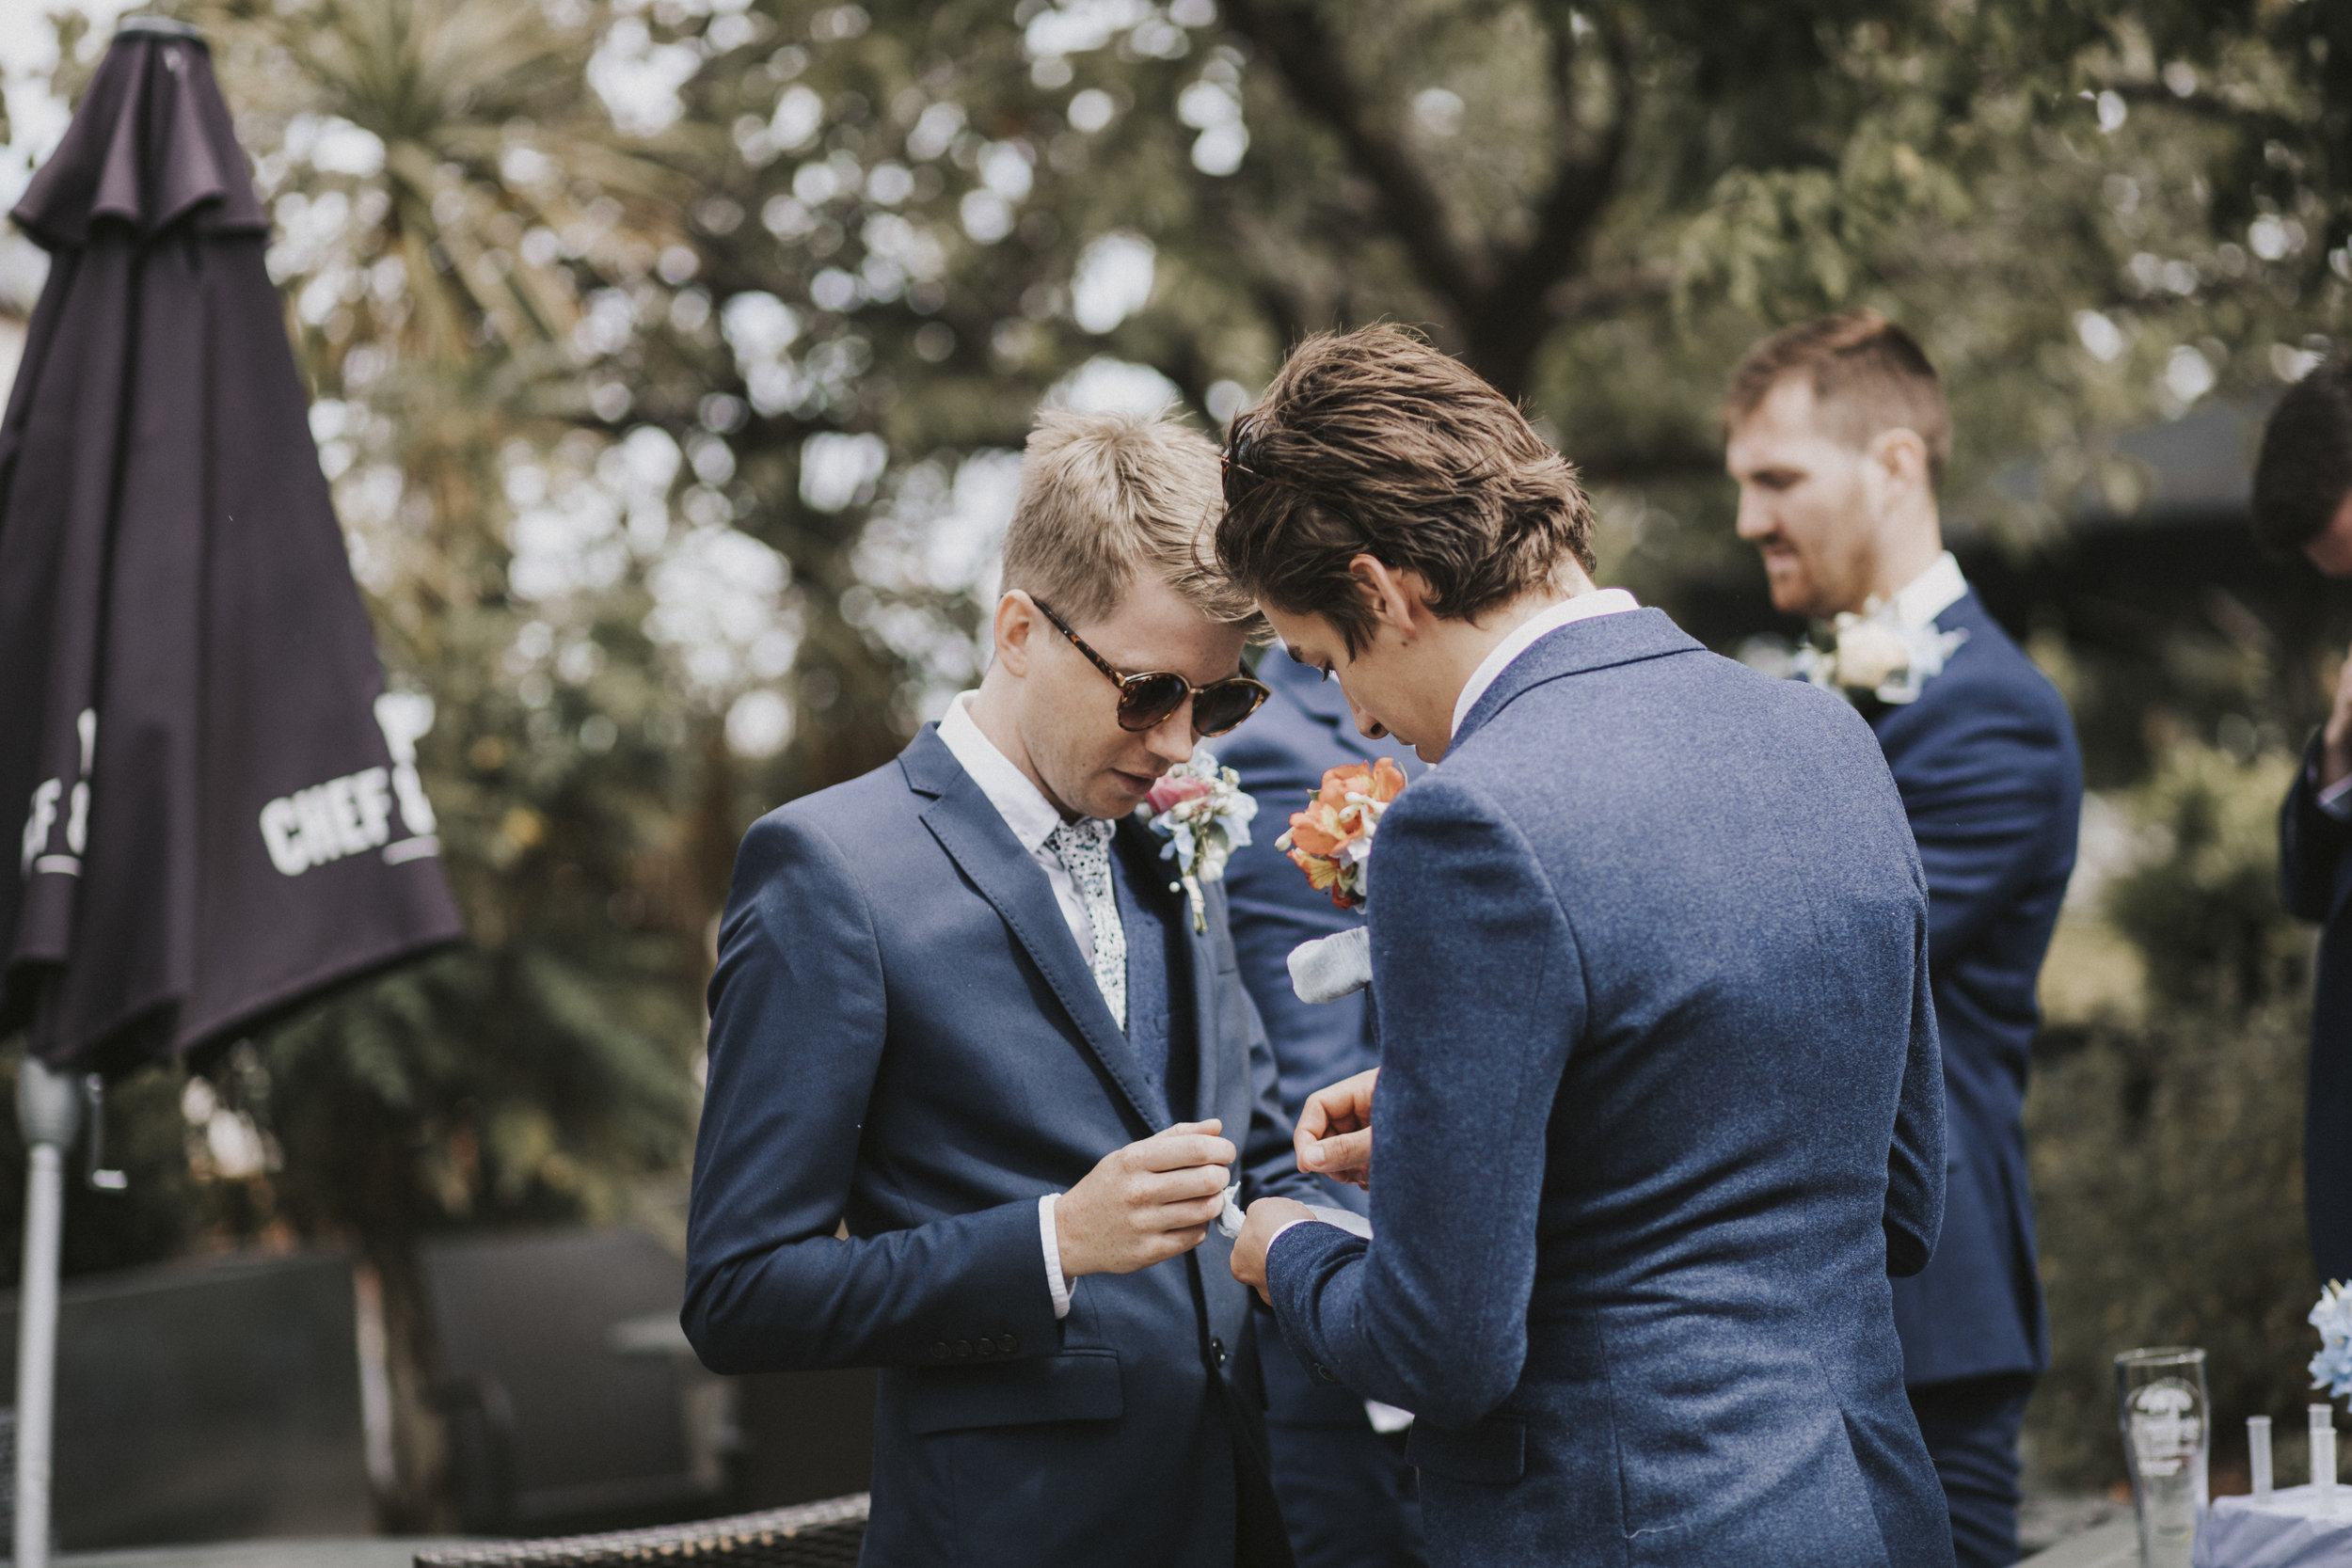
pixel 1660 1109
pixel 2318 877
pixel 1993 782
pixel 1281 753
pixel 904 1036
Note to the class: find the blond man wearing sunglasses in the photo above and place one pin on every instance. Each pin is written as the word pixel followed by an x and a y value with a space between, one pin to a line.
pixel 978 1084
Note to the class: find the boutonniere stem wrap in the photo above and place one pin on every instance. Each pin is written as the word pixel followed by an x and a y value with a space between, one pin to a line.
pixel 1875 655
pixel 1204 814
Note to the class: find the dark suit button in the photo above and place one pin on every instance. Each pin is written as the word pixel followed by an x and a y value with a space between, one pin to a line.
pixel 1216 1348
pixel 964 1347
pixel 1008 1344
pixel 939 1352
pixel 984 1345
pixel 1324 1374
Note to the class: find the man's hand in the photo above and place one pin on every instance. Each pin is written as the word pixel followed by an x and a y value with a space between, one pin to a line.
pixel 2335 741
pixel 1145 1203
pixel 1334 1134
pixel 1267 1216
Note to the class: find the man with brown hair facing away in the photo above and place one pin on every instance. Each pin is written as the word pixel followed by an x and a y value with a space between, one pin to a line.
pixel 1837 437
pixel 1657 1105
pixel 960 1010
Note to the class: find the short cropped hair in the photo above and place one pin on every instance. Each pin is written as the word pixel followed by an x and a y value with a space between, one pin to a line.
pixel 2305 470
pixel 1104 495
pixel 1372 442
pixel 1868 376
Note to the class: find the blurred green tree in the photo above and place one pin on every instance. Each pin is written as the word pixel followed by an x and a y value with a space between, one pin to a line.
pixel 932 216
pixel 2166 1153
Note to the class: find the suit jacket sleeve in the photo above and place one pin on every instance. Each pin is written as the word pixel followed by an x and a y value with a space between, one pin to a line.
pixel 1480 992
pixel 1982 789
pixel 1914 1163
pixel 798 1013
pixel 2311 843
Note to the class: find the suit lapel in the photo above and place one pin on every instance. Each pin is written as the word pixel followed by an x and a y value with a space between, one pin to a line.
pixel 969 828
pixel 1200 965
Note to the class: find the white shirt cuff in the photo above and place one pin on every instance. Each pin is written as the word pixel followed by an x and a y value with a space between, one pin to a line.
pixel 1058 1287
pixel 2336 800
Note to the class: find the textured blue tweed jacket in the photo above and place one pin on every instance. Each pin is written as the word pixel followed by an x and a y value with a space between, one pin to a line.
pixel 1660 1110
pixel 905 1037
pixel 1992 780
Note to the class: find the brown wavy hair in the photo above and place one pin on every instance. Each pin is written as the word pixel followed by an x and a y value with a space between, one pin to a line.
pixel 1372 442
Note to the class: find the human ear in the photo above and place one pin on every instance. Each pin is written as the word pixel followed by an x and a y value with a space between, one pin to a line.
pixel 1015 624
pixel 1395 599
pixel 1900 458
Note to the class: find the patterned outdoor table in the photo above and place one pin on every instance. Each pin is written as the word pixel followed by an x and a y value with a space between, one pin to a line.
pixel 813 1535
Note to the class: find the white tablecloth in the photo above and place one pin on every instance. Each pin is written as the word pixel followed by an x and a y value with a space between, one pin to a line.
pixel 2281 1530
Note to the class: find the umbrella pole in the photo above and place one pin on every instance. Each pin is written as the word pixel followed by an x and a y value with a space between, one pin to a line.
pixel 49 1110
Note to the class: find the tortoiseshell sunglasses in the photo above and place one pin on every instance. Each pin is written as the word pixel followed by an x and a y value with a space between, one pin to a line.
pixel 1147 700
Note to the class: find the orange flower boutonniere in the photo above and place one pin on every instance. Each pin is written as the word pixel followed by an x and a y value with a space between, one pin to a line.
pixel 1331 840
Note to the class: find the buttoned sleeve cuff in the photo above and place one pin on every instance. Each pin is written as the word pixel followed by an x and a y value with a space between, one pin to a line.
pixel 1056 1284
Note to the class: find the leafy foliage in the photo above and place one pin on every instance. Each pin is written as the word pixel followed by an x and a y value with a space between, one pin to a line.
pixel 2167 1154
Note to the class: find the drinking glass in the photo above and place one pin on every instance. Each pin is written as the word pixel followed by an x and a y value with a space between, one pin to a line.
pixel 2160 1395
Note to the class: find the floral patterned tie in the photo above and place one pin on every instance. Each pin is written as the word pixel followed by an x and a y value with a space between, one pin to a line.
pixel 1083 849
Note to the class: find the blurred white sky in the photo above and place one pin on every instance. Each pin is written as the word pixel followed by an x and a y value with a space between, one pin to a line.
pixel 29 52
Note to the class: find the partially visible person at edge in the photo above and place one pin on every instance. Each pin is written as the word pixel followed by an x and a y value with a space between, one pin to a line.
pixel 1346 1490
pixel 1838 434
pixel 2303 506
pixel 980 1081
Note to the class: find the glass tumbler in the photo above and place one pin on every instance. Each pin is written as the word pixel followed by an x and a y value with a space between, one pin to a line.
pixel 2160 1396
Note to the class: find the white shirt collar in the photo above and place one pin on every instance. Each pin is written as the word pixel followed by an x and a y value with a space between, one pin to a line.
pixel 1601 601
pixel 1025 808
pixel 1918 602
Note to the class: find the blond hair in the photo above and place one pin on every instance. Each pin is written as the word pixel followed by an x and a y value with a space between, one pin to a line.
pixel 1104 494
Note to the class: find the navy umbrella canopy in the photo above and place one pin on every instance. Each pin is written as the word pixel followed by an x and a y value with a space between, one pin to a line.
pixel 211 805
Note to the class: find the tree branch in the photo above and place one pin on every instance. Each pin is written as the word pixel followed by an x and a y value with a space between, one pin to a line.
pixel 1309 63
pixel 1516 314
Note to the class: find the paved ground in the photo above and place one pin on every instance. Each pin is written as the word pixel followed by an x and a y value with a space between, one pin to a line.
pixel 372 1552
pixel 2048 1518
pixel 2113 1544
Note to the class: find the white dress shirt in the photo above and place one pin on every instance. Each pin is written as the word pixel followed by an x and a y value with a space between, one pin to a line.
pixel 1024 806
pixel 1601 601
pixel 1032 818
pixel 1918 602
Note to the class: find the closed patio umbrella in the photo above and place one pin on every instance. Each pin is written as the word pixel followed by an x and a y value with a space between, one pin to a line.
pixel 212 802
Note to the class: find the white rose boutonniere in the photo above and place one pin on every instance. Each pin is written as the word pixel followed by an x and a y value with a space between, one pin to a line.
pixel 1204 814
pixel 1873 655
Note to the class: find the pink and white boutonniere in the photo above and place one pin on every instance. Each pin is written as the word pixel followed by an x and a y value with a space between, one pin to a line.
pixel 1204 814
